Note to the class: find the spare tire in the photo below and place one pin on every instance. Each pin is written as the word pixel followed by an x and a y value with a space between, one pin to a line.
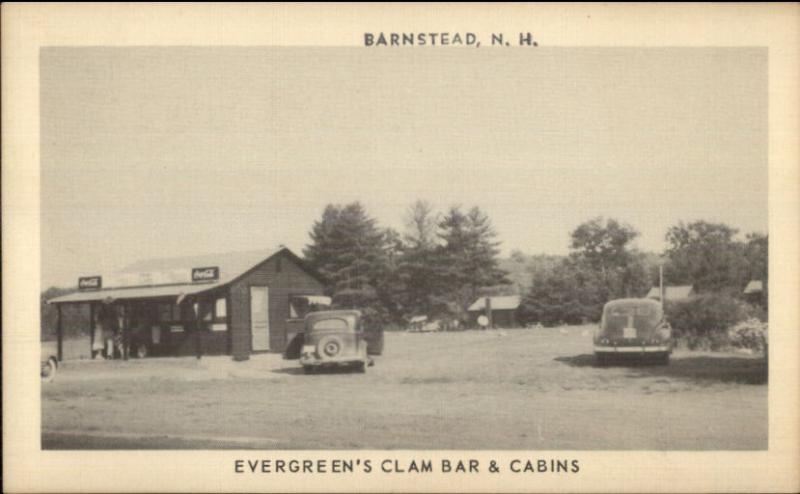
pixel 330 347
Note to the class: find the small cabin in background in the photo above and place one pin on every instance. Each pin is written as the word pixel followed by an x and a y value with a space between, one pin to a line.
pixel 672 293
pixel 754 292
pixel 503 310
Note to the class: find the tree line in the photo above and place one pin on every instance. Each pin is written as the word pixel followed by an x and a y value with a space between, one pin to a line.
pixel 442 261
pixel 436 266
pixel 603 265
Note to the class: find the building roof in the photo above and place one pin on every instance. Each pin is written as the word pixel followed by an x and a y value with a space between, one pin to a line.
pixel 755 286
pixel 672 292
pixel 111 294
pixel 157 277
pixel 505 302
pixel 231 264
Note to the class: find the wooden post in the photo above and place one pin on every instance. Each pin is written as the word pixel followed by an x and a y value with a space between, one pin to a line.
pixel 490 325
pixel 91 330
pixel 59 333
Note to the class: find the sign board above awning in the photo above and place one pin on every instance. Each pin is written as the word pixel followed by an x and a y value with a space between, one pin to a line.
pixel 173 292
pixel 151 278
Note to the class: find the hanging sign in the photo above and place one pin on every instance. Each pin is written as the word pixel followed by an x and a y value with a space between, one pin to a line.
pixel 205 274
pixel 90 282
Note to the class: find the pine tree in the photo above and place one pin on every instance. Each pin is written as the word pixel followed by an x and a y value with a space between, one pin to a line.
pixel 416 263
pixel 467 258
pixel 355 256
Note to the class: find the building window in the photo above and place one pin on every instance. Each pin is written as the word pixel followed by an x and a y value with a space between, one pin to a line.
pixel 298 307
pixel 220 315
pixel 169 313
pixel 301 305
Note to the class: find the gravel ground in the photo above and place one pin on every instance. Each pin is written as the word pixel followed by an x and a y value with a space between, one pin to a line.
pixel 509 389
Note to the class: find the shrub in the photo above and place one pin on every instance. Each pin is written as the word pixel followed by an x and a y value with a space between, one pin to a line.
pixel 703 322
pixel 750 333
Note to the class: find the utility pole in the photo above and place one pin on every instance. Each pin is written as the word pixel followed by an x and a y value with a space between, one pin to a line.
pixel 489 313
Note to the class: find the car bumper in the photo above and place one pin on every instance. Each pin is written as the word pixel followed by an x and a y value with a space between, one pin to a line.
pixel 315 362
pixel 632 349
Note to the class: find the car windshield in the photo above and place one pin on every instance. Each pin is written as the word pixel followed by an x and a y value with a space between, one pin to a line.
pixel 338 323
pixel 642 316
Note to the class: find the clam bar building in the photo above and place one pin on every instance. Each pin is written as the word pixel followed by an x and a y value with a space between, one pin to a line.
pixel 235 303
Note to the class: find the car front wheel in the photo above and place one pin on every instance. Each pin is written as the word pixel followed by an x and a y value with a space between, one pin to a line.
pixel 49 369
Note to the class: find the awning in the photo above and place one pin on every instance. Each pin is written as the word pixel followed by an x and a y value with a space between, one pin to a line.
pixel 177 291
pixel 317 299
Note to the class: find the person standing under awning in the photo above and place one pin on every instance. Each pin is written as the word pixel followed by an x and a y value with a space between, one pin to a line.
pixel 98 336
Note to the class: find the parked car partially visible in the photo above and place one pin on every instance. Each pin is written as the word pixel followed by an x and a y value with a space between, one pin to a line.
pixel 633 328
pixel 49 367
pixel 337 338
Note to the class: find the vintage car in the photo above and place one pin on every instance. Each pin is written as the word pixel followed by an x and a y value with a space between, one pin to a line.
pixel 335 338
pixel 633 327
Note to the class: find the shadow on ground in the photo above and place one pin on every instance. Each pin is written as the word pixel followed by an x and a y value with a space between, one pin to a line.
pixel 743 370
pixel 298 371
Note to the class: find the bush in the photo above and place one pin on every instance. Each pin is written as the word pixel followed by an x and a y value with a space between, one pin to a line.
pixel 703 322
pixel 751 334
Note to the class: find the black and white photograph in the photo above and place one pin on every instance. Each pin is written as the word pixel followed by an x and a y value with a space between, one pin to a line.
pixel 461 240
pixel 243 246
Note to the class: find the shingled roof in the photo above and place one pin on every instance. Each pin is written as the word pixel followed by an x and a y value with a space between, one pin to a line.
pixel 672 293
pixel 128 282
pixel 505 302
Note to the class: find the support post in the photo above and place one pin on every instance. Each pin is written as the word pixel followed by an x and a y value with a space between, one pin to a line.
pixel 59 333
pixel 490 325
pixel 91 330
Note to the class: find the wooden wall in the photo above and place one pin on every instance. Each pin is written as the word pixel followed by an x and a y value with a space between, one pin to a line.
pixel 284 278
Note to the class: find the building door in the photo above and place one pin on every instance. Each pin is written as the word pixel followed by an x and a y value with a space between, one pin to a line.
pixel 259 317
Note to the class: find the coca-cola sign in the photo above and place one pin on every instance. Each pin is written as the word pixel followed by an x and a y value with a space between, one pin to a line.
pixel 90 282
pixel 205 274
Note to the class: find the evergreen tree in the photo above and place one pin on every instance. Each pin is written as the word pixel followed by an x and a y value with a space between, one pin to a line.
pixel 466 259
pixel 356 258
pixel 416 263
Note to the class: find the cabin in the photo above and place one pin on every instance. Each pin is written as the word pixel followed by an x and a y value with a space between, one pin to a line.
pixel 236 303
pixel 672 293
pixel 754 293
pixel 501 311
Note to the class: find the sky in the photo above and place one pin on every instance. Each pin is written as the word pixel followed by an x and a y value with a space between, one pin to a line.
pixel 155 152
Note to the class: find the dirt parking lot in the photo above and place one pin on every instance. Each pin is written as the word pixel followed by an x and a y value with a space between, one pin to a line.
pixel 509 389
